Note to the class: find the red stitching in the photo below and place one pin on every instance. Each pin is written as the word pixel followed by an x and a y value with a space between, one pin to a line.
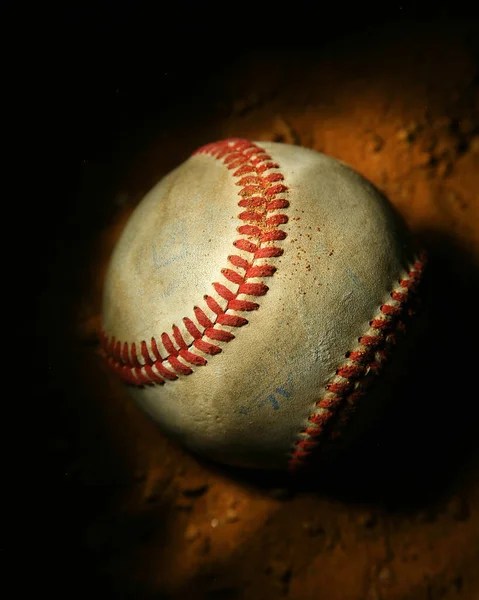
pixel 144 353
pixel 260 271
pixel 266 166
pixel 358 356
pixel 277 220
pixel 253 289
pixel 243 170
pixel 251 179
pixel 154 347
pixel 272 236
pixel 194 359
pixel 350 371
pixel 268 252
pixel 352 378
pixel 252 216
pixel 260 184
pixel 233 156
pixel 219 335
pixel 163 371
pixel 237 261
pixel 246 246
pixel 276 204
pixel 276 189
pixel 213 305
pixel 202 318
pixel 242 305
pixel 330 403
pixel 152 375
pixel 191 328
pixel 371 341
pixel 179 338
pixel 273 177
pixel 258 195
pixel 237 163
pixel 251 202
pixel 223 291
pixel 206 347
pixel 168 344
pixel 178 366
pixel 231 320
pixel 252 230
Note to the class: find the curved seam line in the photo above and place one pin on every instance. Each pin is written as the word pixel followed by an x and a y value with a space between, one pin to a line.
pixel 357 373
pixel 261 193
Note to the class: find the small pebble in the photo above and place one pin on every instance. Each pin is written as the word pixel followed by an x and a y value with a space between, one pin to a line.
pixel 192 533
pixel 444 168
pixel 402 135
pixel 375 143
pixel 408 133
pixel 231 516
pixel 232 502
pixel 385 575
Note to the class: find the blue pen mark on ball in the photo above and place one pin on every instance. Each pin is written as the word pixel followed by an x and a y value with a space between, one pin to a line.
pixel 272 397
pixel 285 391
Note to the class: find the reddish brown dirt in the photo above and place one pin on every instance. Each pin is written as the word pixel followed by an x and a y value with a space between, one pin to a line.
pixel 128 513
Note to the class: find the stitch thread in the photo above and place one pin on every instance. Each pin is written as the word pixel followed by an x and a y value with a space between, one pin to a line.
pixel 362 366
pixel 168 356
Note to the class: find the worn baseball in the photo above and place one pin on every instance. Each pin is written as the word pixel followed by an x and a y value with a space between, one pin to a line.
pixel 253 298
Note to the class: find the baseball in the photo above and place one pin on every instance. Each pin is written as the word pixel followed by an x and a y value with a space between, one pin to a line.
pixel 253 298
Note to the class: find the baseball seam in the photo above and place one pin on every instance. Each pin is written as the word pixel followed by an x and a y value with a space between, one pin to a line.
pixel 360 369
pixel 169 356
pixel 262 198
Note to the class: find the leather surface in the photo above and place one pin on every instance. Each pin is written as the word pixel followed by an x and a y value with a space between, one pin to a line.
pixel 345 250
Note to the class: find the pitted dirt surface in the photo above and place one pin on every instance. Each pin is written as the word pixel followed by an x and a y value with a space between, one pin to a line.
pixel 127 513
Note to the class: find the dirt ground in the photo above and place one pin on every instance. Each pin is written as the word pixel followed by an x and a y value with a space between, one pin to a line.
pixel 127 513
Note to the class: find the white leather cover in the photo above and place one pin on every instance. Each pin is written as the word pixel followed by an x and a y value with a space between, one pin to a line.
pixel 343 253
